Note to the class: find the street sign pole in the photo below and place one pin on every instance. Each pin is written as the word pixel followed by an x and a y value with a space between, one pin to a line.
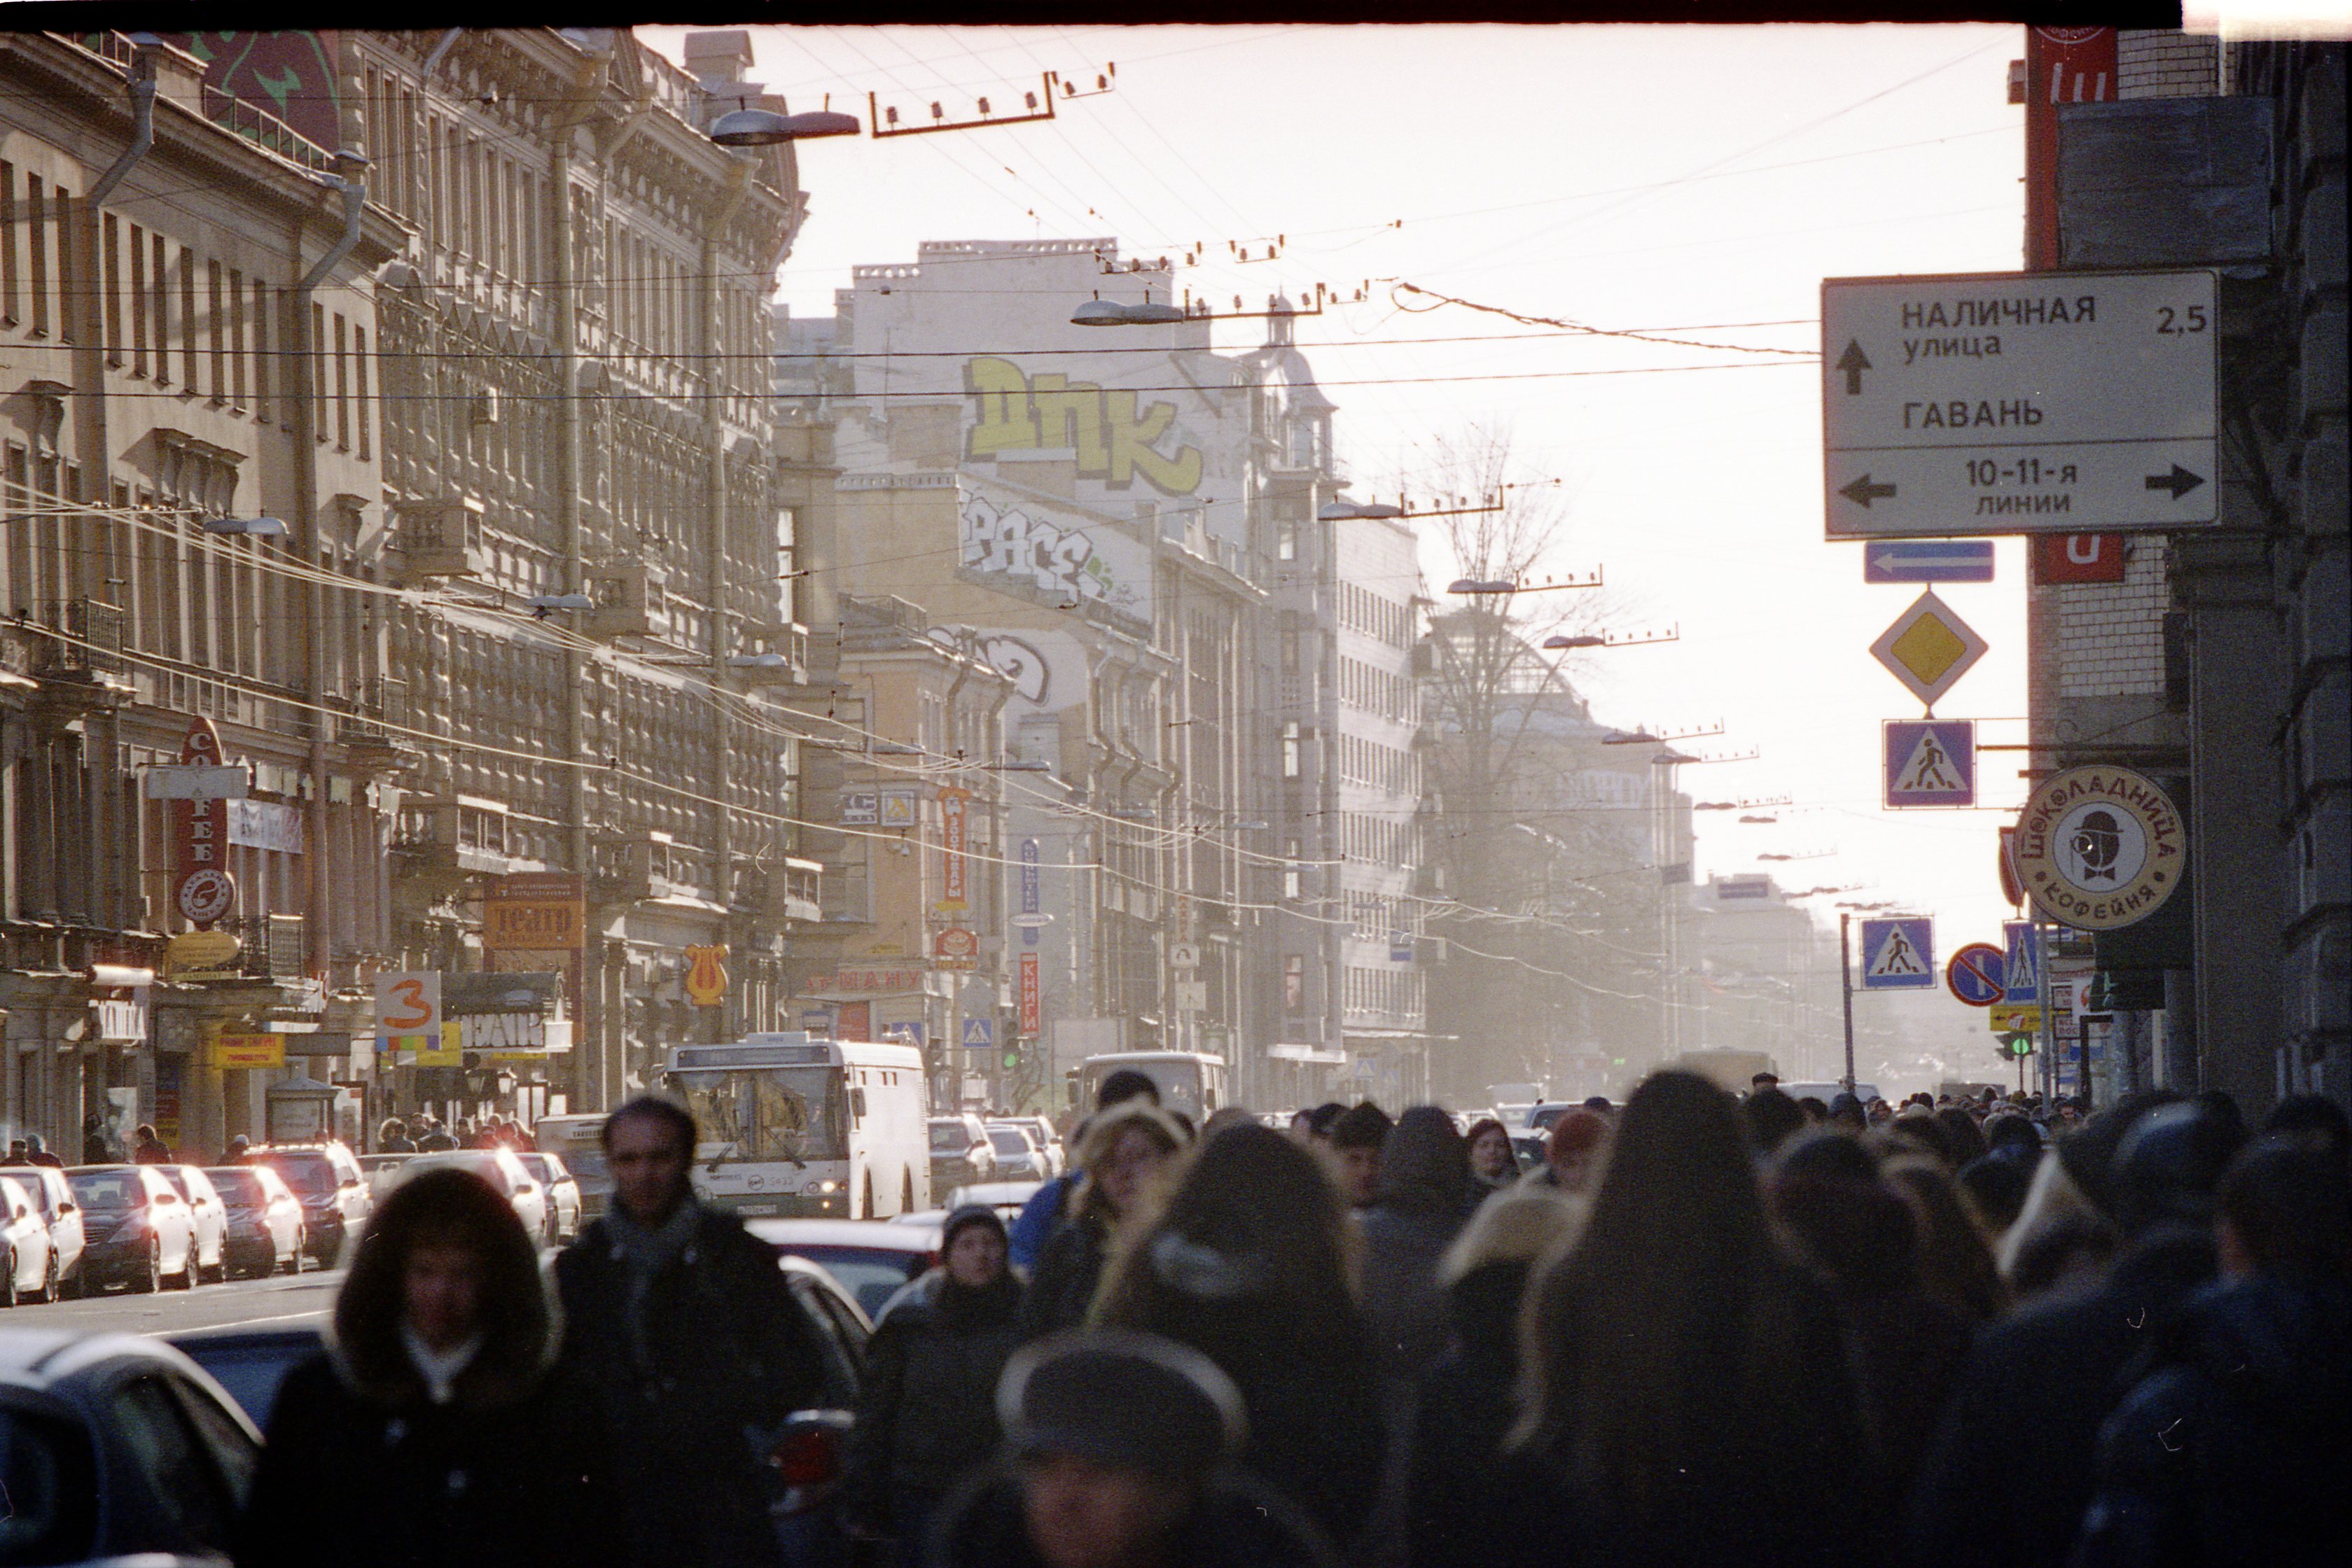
pixel 1845 981
pixel 2049 1014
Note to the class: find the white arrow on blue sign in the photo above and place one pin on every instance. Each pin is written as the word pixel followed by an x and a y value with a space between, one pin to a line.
pixel 1898 954
pixel 2020 968
pixel 1928 560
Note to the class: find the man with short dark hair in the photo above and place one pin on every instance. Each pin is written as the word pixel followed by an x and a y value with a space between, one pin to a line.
pixel 679 1322
pixel 1041 1215
pixel 1763 1080
pixel 1357 1138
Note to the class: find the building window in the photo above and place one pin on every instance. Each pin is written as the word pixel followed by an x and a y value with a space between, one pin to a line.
pixel 1292 875
pixel 1290 750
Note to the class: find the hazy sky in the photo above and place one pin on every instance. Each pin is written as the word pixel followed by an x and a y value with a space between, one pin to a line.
pixel 1703 180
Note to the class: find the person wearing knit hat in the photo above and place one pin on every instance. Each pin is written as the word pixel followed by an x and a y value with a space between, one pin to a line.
pixel 927 1412
pixel 1119 1453
pixel 1356 1137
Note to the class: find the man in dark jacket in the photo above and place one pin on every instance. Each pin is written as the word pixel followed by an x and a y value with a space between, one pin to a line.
pixel 2023 1424
pixel 1423 1196
pixel 927 1413
pixel 2234 1449
pixel 680 1323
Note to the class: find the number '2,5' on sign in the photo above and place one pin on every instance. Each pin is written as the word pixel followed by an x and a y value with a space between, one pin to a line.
pixel 2015 402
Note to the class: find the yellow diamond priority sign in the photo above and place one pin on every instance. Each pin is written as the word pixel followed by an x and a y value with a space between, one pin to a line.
pixel 1928 648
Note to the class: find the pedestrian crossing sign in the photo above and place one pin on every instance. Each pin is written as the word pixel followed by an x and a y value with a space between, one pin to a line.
pixel 1930 762
pixel 1898 954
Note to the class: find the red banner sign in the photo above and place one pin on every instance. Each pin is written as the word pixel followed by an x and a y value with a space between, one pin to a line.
pixel 2078 558
pixel 1033 997
pixel 202 888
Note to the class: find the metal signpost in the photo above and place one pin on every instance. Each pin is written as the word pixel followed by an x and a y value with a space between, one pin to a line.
pixel 2018 403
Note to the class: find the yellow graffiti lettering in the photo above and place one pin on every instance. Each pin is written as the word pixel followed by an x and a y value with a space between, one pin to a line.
pixel 1007 422
pixel 1131 450
pixel 1071 416
pixel 1111 439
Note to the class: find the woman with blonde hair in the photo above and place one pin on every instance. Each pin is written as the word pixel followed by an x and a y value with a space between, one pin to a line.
pixel 1123 1154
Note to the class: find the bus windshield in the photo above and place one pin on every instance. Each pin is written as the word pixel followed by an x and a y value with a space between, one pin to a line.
pixel 768 1114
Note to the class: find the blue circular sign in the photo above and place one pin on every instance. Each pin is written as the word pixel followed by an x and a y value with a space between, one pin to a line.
pixel 1974 975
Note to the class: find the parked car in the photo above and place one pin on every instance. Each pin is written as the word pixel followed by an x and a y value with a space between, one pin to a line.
pixel 249 1363
pixel 1019 1158
pixel 960 1153
pixel 811 1453
pixel 139 1230
pixel 382 1173
pixel 333 1190
pixel 28 1258
pixel 265 1220
pixel 53 1197
pixel 562 1192
pixel 1007 1198
pixel 1057 1158
pixel 115 1446
pixel 870 1258
pixel 503 1169
pixel 579 1142
pixel 210 1215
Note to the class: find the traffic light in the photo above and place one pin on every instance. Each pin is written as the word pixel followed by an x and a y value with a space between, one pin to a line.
pixel 1011 1058
pixel 2017 1045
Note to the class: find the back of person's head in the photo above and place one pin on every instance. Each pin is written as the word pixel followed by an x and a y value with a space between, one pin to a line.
pixel 1126 1083
pixel 1994 1190
pixel 1675 1275
pixel 2224 1107
pixel 1577 1135
pixel 2285 1211
pixel 1772 1119
pixel 1841 1219
pixel 2314 1121
pixel 1363 1127
pixel 1252 1244
pixel 2089 1150
pixel 1845 1110
pixel 2169 1166
pixel 1326 1116
pixel 453 1209
pixel 1912 1131
pixel 1599 1106
pixel 1963 1139
pixel 1425 1162
pixel 1816 1109
pixel 1956 1266
pixel 1225 1116
pixel 2012 1135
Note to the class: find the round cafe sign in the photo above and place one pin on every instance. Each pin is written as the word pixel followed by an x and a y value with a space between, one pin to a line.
pixel 2099 848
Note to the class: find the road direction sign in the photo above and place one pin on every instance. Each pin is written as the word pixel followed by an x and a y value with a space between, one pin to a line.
pixel 1930 762
pixel 2021 964
pixel 1898 954
pixel 2006 1018
pixel 1928 648
pixel 1974 975
pixel 1928 560
pixel 2018 403
pixel 980 1034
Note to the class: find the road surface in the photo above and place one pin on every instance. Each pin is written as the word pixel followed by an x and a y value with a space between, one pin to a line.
pixel 279 1301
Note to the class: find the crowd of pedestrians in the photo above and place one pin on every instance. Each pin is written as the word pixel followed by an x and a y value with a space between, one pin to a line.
pixel 1703 1330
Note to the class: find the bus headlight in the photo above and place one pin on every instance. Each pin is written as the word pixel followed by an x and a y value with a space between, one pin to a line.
pixel 824 1186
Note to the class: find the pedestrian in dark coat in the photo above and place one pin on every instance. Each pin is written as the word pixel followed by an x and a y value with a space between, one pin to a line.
pixel 2233 1449
pixel 1462 1484
pixel 1687 1392
pixel 1423 1197
pixel 679 1324
pixel 1118 1454
pixel 927 1413
pixel 147 1149
pixel 431 1434
pixel 1248 1265
pixel 1123 1154
pixel 2024 1419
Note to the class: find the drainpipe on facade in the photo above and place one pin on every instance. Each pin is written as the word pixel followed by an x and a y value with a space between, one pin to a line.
pixel 353 183
pixel 714 425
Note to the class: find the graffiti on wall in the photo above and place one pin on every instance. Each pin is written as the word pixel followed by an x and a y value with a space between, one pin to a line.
pixel 1056 559
pixel 1114 439
pixel 289 74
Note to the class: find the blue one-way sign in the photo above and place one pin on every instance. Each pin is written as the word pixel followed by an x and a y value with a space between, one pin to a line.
pixel 1928 560
pixel 1898 954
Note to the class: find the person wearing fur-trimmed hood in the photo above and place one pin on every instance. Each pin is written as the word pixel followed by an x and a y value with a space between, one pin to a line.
pixel 432 1430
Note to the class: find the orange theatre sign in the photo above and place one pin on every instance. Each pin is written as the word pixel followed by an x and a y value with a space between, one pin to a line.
pixel 705 975
pixel 955 828
pixel 2100 848
pixel 534 922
